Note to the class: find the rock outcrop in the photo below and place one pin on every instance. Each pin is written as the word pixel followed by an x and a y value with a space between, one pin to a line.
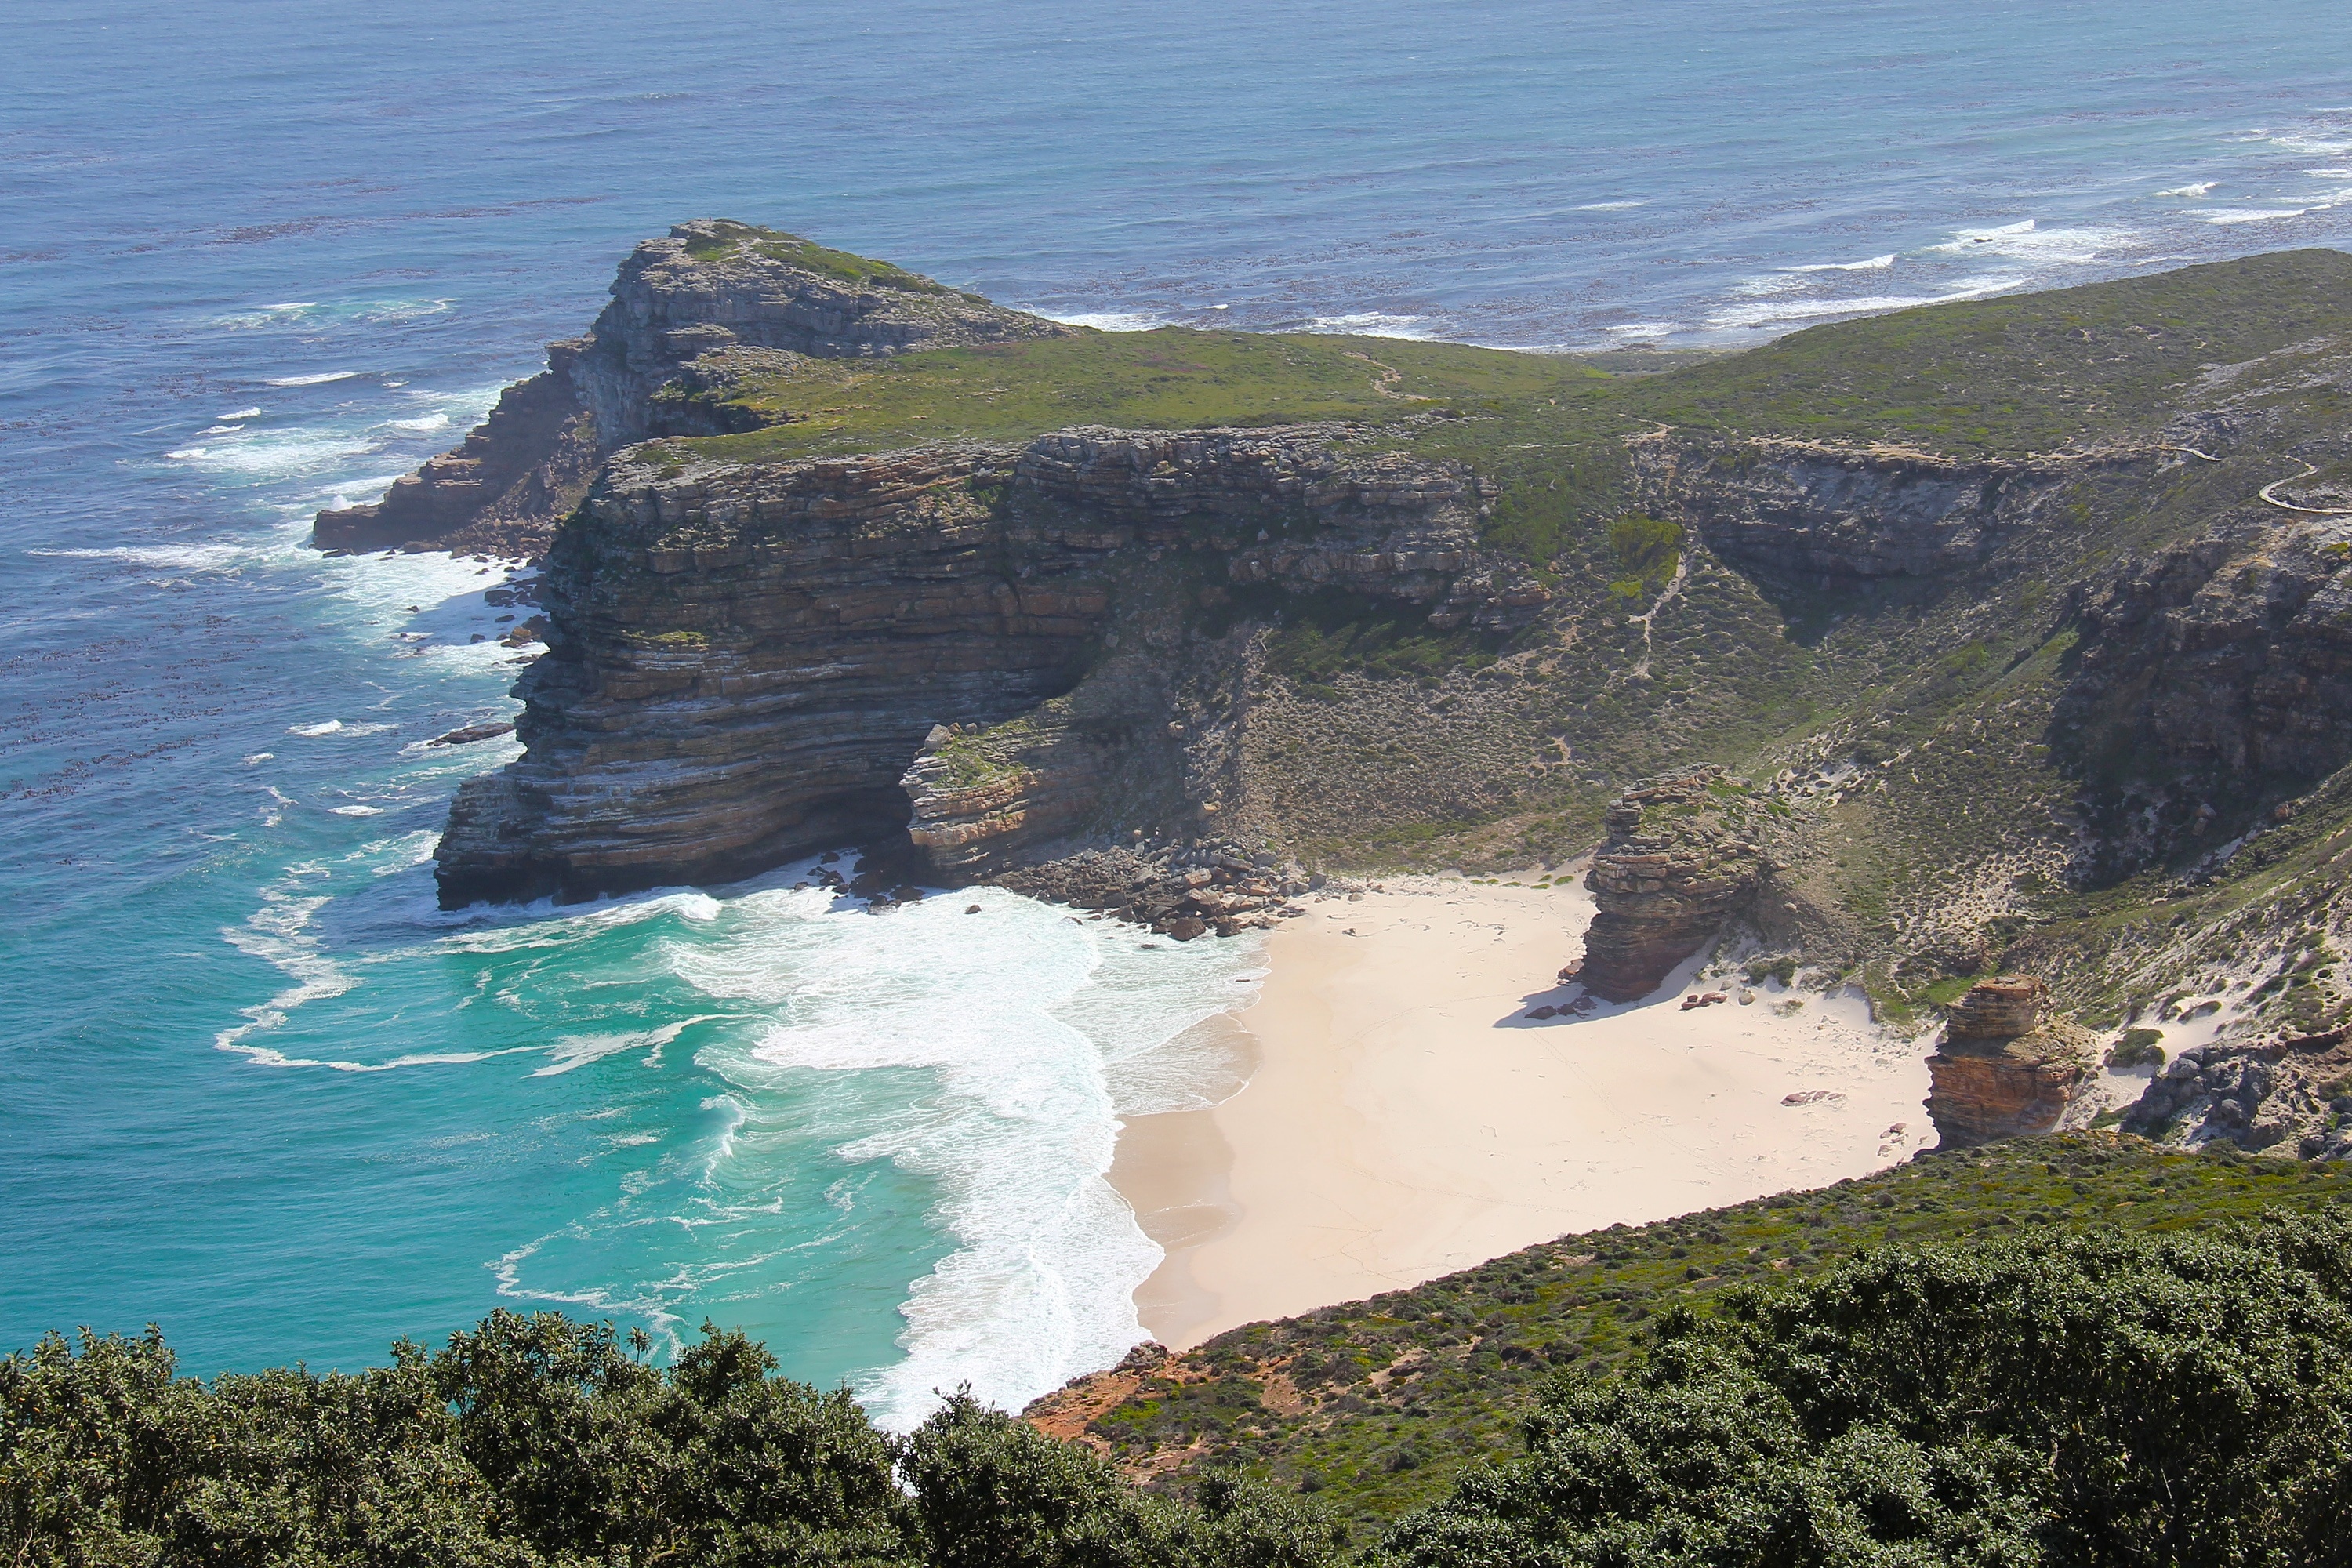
pixel 1678 863
pixel 688 312
pixel 501 490
pixel 2005 1067
pixel 2212 675
pixel 746 659
pixel 2291 1095
pixel 1806 508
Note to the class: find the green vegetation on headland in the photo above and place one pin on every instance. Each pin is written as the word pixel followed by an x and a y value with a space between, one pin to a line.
pixel 1173 378
pixel 2060 1352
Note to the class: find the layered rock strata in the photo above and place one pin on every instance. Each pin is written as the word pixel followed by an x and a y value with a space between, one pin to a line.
pixel 688 311
pixel 1676 866
pixel 1807 509
pixel 745 659
pixel 2212 675
pixel 502 489
pixel 2005 1067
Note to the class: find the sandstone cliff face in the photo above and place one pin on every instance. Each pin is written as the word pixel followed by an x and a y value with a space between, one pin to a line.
pixel 502 489
pixel 1676 866
pixel 745 659
pixel 711 286
pixel 2005 1067
pixel 1798 508
pixel 690 308
pixel 2211 674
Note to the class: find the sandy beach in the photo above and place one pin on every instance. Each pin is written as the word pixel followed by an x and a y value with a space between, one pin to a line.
pixel 1404 1118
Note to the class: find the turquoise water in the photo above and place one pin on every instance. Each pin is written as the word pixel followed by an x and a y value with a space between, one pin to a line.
pixel 257 1089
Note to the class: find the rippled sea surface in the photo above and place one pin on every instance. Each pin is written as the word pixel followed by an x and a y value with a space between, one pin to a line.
pixel 253 1086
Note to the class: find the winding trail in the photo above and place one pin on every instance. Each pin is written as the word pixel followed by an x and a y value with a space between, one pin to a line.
pixel 2308 470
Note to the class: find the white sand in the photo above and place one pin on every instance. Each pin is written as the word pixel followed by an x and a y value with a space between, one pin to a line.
pixel 1405 1119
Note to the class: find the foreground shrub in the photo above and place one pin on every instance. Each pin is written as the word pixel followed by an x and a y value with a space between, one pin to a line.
pixel 2080 1401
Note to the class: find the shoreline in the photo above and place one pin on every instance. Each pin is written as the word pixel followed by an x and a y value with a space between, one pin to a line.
pixel 1403 1118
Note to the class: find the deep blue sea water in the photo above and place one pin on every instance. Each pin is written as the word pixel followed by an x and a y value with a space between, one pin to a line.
pixel 255 260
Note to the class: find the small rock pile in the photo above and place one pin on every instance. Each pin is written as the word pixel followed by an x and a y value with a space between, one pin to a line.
pixel 2259 1094
pixel 1182 891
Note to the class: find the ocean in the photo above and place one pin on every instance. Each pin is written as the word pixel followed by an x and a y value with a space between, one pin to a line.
pixel 258 259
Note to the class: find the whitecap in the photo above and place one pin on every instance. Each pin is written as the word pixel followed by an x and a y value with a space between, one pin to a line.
pixel 183 557
pixel 259 757
pixel 2201 188
pixel 1607 207
pixel 2248 214
pixel 240 413
pixel 268 453
pixel 2028 241
pixel 1108 321
pixel 429 422
pixel 325 727
pixel 2325 146
pixel 320 379
pixel 1871 264
pixel 221 431
pixel 358 810
pixel 1372 324
pixel 1767 314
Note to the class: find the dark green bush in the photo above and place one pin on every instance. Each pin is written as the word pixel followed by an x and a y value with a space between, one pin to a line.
pixel 2076 1401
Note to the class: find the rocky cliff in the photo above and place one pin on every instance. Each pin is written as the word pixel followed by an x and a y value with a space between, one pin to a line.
pixel 2215 677
pixel 690 311
pixel 1841 512
pixel 2006 1067
pixel 746 659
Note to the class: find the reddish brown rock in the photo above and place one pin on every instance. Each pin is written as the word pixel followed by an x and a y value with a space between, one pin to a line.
pixel 2004 1068
pixel 1676 867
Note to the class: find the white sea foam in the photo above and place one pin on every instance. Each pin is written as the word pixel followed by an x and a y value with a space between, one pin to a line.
pixel 179 557
pixel 1869 264
pixel 220 430
pixel 2201 188
pixel 357 810
pixel 319 379
pixel 578 1050
pixel 1606 207
pixel 324 727
pixel 240 413
pixel 254 454
pixel 1373 324
pixel 429 422
pixel 1035 1032
pixel 1108 321
pixel 1772 312
pixel 2026 240
pixel 2248 214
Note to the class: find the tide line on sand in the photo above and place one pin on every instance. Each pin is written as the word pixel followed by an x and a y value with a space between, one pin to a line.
pixel 1404 1118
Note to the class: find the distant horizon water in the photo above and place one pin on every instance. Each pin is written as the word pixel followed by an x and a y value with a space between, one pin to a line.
pixel 259 261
